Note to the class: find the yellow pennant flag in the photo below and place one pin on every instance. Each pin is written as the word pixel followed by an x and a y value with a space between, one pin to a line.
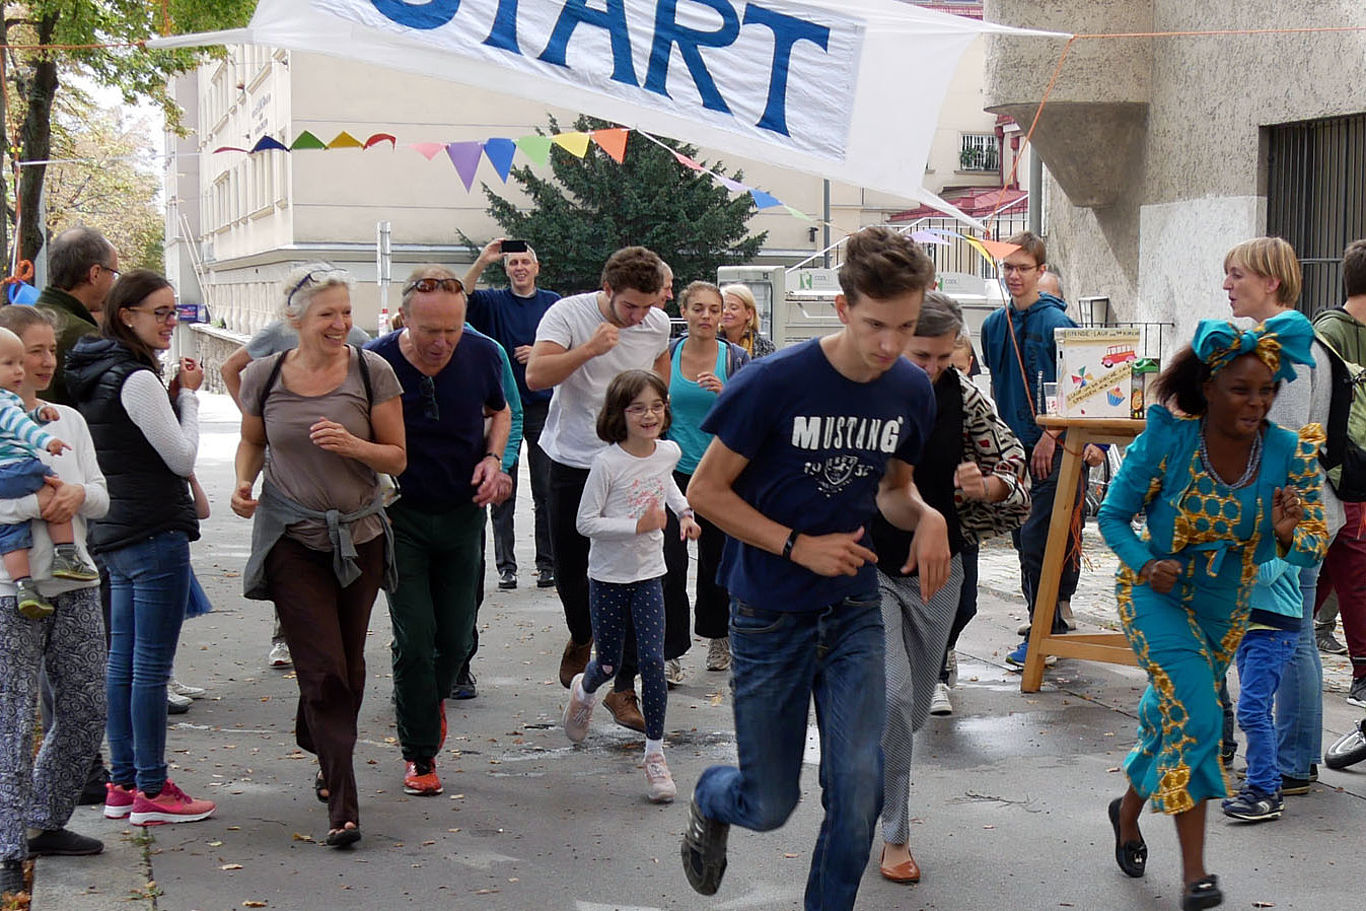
pixel 575 143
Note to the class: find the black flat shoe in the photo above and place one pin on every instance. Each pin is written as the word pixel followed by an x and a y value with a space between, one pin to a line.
pixel 1203 893
pixel 1132 856
pixel 343 838
pixel 320 787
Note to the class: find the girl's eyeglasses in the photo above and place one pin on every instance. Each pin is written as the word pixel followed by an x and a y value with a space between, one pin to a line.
pixel 639 411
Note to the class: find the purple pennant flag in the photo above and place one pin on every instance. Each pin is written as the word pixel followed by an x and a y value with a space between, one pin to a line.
pixel 764 200
pixel 465 157
pixel 733 185
pixel 499 153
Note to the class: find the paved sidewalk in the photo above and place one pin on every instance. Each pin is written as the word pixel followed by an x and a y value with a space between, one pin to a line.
pixel 1009 793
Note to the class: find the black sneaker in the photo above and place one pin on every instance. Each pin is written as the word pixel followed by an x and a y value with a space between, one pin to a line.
pixel 704 851
pixel 545 578
pixel 1296 786
pixel 465 685
pixel 11 877
pixel 1328 643
pixel 63 843
pixel 1253 806
pixel 1357 694
pixel 507 581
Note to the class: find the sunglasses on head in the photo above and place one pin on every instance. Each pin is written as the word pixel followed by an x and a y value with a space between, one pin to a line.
pixel 428 285
pixel 310 277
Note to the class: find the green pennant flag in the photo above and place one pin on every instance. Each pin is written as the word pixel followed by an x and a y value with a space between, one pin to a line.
pixel 537 148
pixel 307 140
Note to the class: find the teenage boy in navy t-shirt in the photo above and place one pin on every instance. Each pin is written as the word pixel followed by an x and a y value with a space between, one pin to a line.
pixel 809 444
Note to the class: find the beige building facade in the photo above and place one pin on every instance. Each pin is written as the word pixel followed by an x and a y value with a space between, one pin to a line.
pixel 237 223
pixel 1164 152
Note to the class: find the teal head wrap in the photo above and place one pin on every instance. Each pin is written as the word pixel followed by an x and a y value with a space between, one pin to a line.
pixel 1281 342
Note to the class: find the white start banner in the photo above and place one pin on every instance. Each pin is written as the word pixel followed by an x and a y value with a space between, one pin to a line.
pixel 844 89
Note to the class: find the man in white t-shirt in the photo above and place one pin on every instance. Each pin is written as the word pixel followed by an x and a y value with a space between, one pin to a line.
pixel 583 342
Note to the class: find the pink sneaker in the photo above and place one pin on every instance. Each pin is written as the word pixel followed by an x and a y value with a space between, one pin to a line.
pixel 171 805
pixel 118 802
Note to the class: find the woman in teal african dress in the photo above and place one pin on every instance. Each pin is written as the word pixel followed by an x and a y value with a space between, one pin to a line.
pixel 1222 490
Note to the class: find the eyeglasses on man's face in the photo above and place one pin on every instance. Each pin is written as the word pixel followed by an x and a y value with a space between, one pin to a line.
pixel 1013 268
pixel 639 411
pixel 111 270
pixel 428 285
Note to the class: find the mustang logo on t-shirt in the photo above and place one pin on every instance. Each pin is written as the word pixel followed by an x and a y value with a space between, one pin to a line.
pixel 846 432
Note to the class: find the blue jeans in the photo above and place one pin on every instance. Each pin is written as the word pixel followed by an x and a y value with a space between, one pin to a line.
pixel 1262 658
pixel 1299 698
pixel 780 661
pixel 149 583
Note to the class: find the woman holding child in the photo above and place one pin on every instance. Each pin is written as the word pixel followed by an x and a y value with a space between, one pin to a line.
pixel 1223 491
pixel 41 793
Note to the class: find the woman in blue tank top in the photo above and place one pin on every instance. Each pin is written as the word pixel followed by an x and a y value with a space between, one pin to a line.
pixel 700 365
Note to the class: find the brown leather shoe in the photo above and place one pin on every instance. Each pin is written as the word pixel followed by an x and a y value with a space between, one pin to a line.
pixel 574 660
pixel 625 708
pixel 908 871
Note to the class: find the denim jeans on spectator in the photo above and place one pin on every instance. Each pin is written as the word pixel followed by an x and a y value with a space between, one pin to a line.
pixel 149 583
pixel 1299 698
pixel 538 468
pixel 780 660
pixel 1262 657
pixel 1031 537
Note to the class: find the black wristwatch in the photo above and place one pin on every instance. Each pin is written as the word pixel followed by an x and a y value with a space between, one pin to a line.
pixel 790 543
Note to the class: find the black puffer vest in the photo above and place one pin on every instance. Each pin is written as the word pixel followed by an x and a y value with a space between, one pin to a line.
pixel 145 497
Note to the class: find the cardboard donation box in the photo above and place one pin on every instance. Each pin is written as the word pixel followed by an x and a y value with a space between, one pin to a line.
pixel 1095 372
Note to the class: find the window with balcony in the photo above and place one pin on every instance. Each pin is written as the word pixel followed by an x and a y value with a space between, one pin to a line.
pixel 980 152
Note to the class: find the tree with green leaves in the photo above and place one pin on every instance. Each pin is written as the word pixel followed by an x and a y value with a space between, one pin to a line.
pixel 593 206
pixel 49 40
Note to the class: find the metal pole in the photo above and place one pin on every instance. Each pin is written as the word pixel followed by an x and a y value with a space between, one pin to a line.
pixel 383 262
pixel 825 221
pixel 1035 192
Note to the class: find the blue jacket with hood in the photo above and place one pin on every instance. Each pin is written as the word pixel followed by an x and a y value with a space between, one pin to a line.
pixel 1034 333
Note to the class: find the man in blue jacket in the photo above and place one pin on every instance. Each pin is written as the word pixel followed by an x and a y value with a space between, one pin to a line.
pixel 1018 349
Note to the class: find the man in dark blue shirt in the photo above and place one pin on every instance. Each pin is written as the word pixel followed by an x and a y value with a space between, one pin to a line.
pixel 810 444
pixel 452 381
pixel 509 316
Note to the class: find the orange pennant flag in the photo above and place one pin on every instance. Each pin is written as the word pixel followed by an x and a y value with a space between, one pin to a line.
pixel 613 142
pixel 999 249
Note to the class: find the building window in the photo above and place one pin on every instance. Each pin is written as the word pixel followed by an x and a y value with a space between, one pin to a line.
pixel 980 152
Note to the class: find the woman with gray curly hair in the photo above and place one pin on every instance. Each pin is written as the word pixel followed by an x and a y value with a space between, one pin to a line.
pixel 321 546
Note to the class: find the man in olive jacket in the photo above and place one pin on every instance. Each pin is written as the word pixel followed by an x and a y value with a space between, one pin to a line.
pixel 82 267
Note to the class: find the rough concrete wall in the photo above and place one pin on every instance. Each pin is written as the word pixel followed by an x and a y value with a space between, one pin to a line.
pixel 1198 183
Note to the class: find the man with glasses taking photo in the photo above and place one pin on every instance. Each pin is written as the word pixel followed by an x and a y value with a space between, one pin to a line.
pixel 1018 349
pixel 452 380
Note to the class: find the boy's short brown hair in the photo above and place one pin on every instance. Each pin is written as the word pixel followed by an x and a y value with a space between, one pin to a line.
pixel 882 263
pixel 636 268
pixel 1354 268
pixel 622 391
pixel 1032 244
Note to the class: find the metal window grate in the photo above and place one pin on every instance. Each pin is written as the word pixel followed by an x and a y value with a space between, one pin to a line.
pixel 980 152
pixel 1316 198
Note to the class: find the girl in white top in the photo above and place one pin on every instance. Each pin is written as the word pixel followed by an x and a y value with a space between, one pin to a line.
pixel 622 513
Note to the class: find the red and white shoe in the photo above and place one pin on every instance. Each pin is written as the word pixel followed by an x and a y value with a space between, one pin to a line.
pixel 172 805
pixel 118 802
pixel 420 779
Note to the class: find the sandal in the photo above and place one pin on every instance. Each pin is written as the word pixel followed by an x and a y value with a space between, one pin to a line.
pixel 320 787
pixel 343 837
pixel 1132 856
pixel 1203 893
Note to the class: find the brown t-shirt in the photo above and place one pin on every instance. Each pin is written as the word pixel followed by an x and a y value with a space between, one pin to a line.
pixel 309 474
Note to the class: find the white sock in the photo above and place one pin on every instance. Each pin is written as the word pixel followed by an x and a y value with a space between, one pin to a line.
pixel 654 746
pixel 583 695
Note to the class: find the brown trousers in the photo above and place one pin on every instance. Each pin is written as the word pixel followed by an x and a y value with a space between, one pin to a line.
pixel 325 626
